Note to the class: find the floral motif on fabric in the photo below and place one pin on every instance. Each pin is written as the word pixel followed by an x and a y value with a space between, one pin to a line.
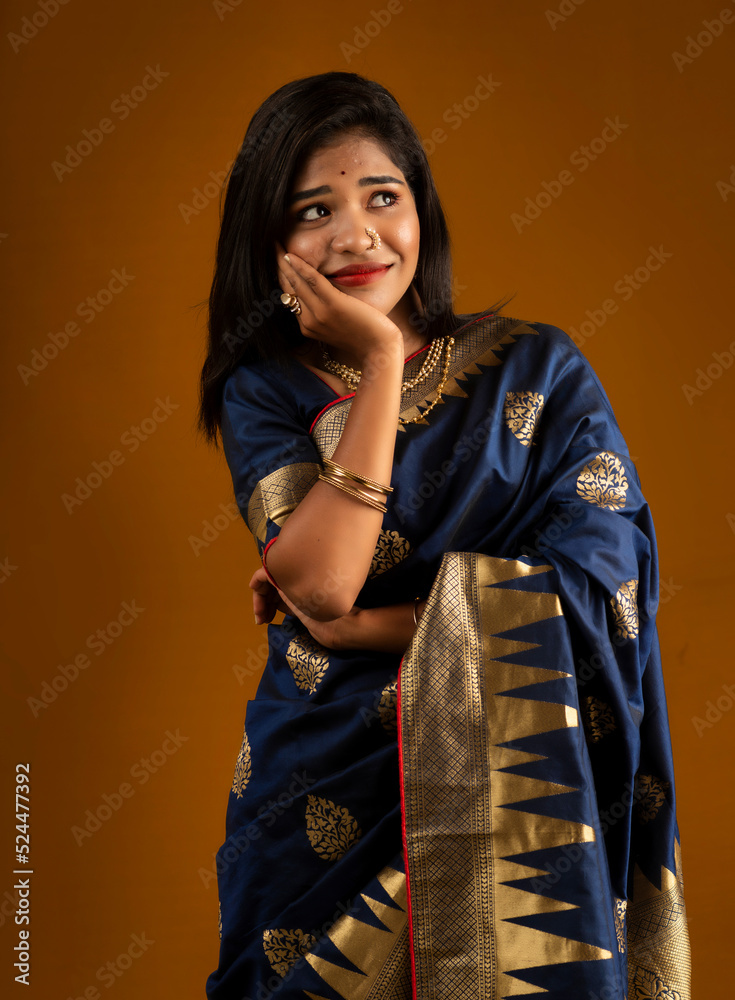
pixel 331 829
pixel 598 719
pixel 308 662
pixel 391 549
pixel 648 986
pixel 620 907
pixel 243 768
pixel 650 794
pixel 521 413
pixel 625 610
pixel 602 481
pixel 284 947
pixel 388 707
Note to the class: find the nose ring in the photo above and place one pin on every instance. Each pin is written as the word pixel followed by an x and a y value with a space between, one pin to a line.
pixel 376 242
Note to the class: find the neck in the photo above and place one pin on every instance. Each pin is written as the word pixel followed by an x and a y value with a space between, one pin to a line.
pixel 412 342
pixel 410 306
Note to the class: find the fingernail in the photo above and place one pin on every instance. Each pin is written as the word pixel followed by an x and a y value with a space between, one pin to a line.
pixel 287 258
pixel 257 620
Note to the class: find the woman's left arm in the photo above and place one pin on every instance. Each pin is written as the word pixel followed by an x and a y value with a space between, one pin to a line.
pixel 384 630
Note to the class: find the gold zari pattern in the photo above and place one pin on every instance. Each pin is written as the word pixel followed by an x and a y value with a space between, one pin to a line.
pixel 602 481
pixel 308 662
pixel 388 707
pixel 243 768
pixel 462 779
pixel 658 939
pixel 378 950
pixel 390 549
pixel 625 610
pixel 285 947
pixel 331 829
pixel 620 908
pixel 278 494
pixel 646 986
pixel 521 413
pixel 479 346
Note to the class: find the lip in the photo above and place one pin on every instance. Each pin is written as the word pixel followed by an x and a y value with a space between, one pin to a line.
pixel 358 269
pixel 359 274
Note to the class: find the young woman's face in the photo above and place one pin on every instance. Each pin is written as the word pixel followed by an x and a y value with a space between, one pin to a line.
pixel 341 191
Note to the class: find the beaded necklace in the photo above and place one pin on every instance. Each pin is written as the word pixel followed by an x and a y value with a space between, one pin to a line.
pixel 351 376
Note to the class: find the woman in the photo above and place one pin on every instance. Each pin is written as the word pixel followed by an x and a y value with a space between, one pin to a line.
pixel 450 495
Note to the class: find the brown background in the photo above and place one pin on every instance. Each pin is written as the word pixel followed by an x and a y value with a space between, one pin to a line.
pixel 174 667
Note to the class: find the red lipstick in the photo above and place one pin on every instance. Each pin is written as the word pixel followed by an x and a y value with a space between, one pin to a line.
pixel 359 274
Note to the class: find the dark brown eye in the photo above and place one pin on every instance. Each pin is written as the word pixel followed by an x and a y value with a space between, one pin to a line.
pixel 304 217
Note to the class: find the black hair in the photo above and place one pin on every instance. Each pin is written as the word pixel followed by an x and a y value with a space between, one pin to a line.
pixel 246 319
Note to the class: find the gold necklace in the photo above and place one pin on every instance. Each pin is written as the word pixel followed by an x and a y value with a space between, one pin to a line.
pixel 351 376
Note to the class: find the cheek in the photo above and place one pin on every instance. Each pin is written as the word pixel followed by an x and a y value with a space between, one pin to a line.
pixel 308 245
pixel 303 244
pixel 406 236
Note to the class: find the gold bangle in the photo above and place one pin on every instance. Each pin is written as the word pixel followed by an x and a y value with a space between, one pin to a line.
pixel 355 476
pixel 415 610
pixel 334 475
pixel 356 493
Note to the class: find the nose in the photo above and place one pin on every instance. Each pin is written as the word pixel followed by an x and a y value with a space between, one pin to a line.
pixel 350 234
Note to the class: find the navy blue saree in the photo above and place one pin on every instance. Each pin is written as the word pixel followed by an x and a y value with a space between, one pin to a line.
pixel 492 815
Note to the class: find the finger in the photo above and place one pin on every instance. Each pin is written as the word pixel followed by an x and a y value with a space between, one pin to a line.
pixel 264 609
pixel 288 286
pixel 260 609
pixel 303 278
pixel 258 575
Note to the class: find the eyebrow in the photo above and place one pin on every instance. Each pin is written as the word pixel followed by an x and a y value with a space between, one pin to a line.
pixel 326 189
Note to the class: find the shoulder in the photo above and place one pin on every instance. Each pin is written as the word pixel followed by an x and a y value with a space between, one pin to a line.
pixel 258 379
pixel 517 341
pixel 267 412
pixel 524 340
pixel 567 361
pixel 287 388
pixel 542 354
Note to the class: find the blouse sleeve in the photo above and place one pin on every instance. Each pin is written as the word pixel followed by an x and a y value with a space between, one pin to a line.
pixel 272 458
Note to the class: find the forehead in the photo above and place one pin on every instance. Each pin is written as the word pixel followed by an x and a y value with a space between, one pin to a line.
pixel 351 154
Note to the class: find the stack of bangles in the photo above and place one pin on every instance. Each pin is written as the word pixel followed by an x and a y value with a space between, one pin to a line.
pixel 357 486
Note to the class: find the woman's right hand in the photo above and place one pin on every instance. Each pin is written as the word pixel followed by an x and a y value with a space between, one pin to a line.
pixel 331 531
pixel 330 315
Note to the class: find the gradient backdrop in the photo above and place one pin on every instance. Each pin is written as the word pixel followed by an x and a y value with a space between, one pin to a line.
pixel 139 637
